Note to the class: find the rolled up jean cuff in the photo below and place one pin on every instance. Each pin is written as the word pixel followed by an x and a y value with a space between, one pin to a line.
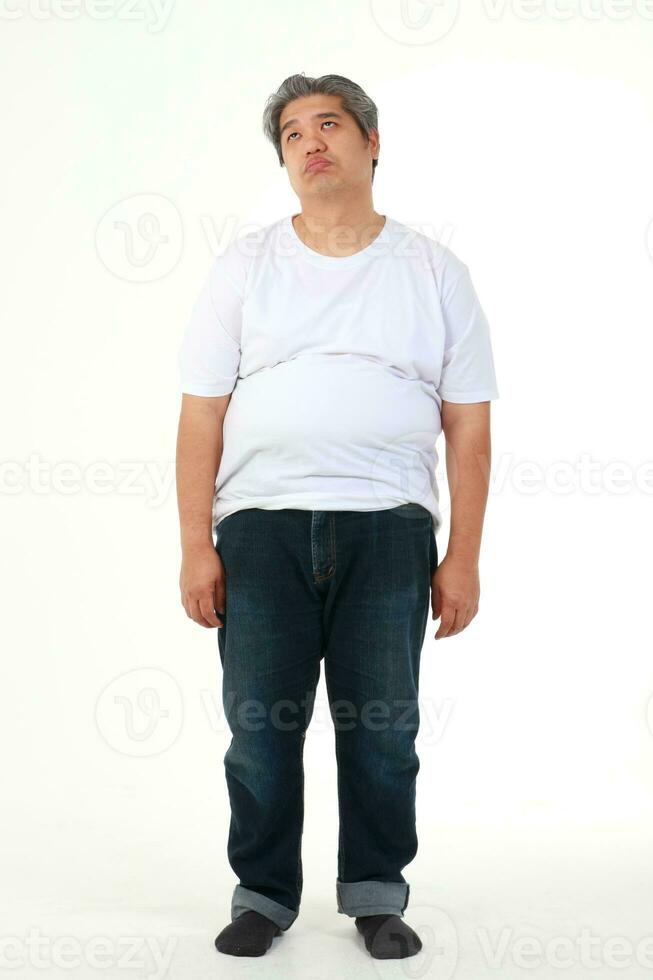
pixel 372 897
pixel 246 900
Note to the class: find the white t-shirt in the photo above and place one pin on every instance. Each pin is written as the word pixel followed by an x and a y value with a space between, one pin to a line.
pixel 337 367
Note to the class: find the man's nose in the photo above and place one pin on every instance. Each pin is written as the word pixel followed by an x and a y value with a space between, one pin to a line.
pixel 314 143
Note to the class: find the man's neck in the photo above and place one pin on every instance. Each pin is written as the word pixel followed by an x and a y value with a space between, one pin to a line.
pixel 337 231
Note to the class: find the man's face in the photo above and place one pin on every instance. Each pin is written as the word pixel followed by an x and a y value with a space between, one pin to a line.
pixel 322 147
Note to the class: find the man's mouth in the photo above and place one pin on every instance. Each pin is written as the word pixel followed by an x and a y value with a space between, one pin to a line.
pixel 317 165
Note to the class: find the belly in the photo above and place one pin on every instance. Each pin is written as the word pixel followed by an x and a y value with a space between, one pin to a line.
pixel 318 419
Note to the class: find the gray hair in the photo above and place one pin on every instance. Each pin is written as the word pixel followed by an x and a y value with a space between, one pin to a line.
pixel 354 101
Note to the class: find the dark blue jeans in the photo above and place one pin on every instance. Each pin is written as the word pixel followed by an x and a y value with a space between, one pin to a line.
pixel 352 587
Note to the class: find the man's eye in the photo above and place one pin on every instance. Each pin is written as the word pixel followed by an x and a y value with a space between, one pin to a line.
pixel 327 122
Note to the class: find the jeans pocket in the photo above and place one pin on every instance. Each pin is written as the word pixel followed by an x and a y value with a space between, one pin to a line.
pixel 413 511
pixel 221 525
pixel 225 520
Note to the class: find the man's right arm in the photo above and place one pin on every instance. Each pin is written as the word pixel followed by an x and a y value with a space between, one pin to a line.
pixel 199 451
pixel 209 362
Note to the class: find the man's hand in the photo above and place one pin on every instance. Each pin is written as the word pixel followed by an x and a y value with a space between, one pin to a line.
pixel 455 592
pixel 202 584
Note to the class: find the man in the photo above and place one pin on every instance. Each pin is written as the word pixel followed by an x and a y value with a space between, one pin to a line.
pixel 324 356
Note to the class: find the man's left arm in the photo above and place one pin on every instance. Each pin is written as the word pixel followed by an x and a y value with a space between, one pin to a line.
pixel 467 385
pixel 455 586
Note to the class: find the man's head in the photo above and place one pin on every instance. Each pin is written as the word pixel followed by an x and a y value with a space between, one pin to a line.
pixel 328 125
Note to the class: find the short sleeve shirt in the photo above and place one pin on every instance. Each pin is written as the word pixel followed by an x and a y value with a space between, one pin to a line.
pixel 337 368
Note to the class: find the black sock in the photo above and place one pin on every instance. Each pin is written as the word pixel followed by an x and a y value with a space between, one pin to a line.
pixel 388 937
pixel 250 934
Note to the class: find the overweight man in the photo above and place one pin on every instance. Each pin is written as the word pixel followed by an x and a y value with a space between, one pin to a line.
pixel 325 354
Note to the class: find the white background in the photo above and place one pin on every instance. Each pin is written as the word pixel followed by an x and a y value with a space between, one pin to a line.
pixel 521 134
